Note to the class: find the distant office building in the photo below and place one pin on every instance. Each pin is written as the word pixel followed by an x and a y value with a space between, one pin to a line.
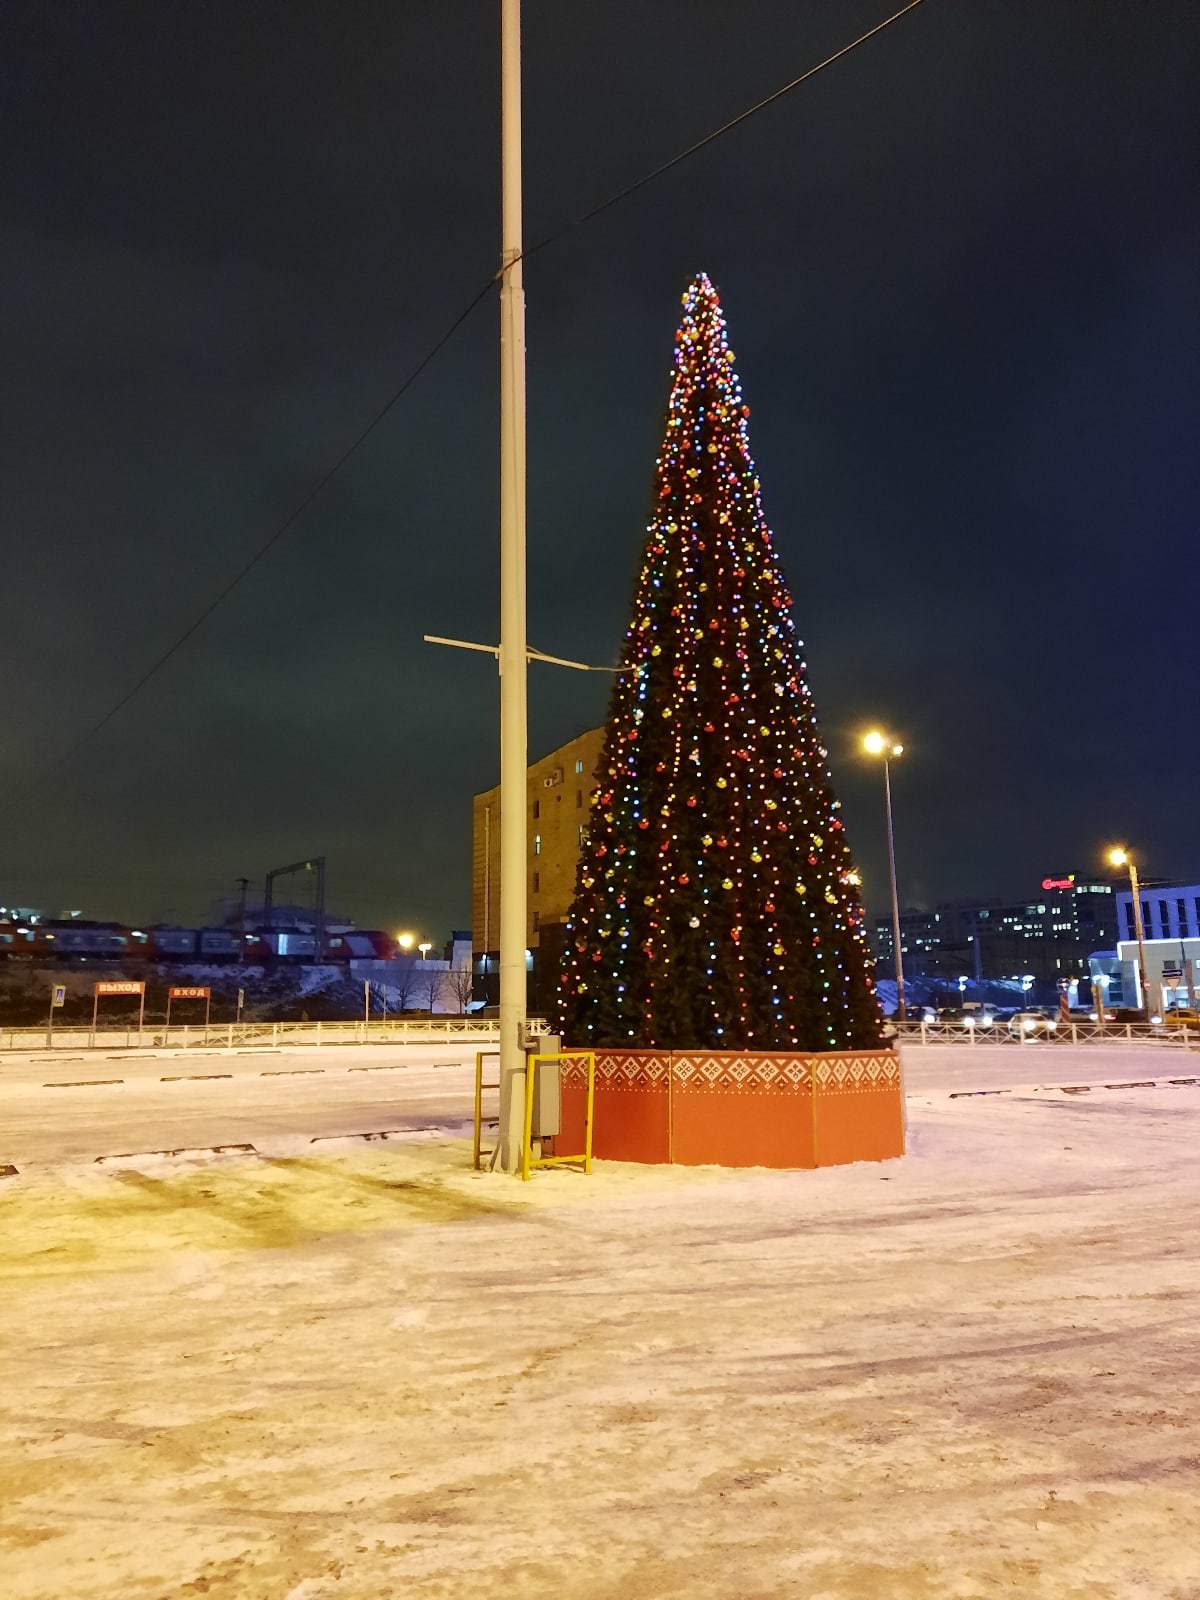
pixel 1047 937
pixel 1171 932
pixel 1172 973
pixel 558 792
pixel 934 944
pixel 1169 911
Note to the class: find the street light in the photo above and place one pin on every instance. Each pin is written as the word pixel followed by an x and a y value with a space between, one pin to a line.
pixel 880 744
pixel 406 941
pixel 1119 856
pixel 425 949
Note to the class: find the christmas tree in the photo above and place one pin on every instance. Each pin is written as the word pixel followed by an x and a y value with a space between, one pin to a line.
pixel 716 904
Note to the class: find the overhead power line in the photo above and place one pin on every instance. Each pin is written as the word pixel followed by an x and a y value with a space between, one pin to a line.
pixel 272 540
pixel 430 355
pixel 717 133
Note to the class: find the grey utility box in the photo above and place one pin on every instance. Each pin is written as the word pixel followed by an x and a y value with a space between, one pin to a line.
pixel 547 1087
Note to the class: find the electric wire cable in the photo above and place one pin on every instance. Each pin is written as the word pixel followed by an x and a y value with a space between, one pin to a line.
pixel 269 544
pixel 717 133
pixel 431 354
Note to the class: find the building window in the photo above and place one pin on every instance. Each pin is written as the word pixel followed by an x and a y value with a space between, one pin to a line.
pixel 579 766
pixel 579 799
pixel 537 882
pixel 537 808
pixel 537 920
pixel 537 844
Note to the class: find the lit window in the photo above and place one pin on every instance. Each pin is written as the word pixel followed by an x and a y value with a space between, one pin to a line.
pixel 579 766
pixel 537 844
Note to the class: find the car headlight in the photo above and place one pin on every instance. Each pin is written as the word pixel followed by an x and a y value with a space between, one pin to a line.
pixel 1051 1026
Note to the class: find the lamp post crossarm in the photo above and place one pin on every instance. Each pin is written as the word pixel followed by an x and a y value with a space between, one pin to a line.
pixel 530 654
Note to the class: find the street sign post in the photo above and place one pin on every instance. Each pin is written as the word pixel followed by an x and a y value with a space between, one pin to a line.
pixel 58 999
pixel 107 986
pixel 190 992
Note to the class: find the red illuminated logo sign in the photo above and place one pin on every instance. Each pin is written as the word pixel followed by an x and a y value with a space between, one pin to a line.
pixel 1059 883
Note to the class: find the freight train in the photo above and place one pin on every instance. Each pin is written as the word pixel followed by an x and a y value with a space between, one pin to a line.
pixel 77 941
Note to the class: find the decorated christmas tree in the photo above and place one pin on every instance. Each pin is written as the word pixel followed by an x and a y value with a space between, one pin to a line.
pixel 717 903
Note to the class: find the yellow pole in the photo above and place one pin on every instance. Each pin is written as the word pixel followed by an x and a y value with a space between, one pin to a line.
pixel 531 1062
pixel 591 1102
pixel 478 1105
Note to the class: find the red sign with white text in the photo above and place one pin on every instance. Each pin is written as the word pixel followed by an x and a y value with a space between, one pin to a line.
pixel 1059 883
pixel 120 986
pixel 189 994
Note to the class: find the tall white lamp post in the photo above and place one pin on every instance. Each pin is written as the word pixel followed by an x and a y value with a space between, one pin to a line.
pixel 512 655
pixel 879 744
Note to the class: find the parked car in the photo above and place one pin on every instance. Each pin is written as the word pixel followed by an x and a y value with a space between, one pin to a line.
pixel 1032 1025
pixel 1180 1016
pixel 965 1017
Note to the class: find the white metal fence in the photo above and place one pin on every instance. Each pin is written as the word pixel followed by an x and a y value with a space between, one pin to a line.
pixel 255 1035
pixel 448 1030
pixel 1045 1036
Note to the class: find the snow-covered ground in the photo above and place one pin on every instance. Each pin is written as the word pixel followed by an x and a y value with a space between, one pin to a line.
pixel 359 1372
pixel 77 1109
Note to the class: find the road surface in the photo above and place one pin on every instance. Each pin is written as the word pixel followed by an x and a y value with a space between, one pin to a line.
pixel 76 1108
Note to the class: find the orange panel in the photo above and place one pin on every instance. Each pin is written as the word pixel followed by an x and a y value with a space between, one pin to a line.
pixel 574 1113
pixel 863 1126
pixel 741 1108
pixel 741 1130
pixel 631 1124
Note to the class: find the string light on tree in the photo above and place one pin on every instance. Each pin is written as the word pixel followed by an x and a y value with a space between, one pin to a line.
pixel 715 828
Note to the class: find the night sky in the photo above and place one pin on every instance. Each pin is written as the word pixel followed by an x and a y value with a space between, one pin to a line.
pixel 960 273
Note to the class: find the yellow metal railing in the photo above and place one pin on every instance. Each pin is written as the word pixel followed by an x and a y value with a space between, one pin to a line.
pixel 480 1086
pixel 528 1160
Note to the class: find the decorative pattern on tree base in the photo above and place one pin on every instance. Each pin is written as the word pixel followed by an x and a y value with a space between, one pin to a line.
pixel 740 1108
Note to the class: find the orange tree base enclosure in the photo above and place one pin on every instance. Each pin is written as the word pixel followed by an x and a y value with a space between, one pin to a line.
pixel 735 1108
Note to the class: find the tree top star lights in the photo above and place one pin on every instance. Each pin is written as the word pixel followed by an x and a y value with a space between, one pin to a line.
pixel 716 903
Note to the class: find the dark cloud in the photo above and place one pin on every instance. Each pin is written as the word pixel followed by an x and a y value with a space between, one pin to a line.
pixel 959 271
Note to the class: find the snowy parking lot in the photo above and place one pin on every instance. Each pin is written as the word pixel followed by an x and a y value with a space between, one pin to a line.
pixel 348 1371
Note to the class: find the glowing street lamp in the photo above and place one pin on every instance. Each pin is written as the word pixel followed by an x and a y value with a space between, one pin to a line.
pixel 425 949
pixel 406 941
pixel 882 745
pixel 1119 856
